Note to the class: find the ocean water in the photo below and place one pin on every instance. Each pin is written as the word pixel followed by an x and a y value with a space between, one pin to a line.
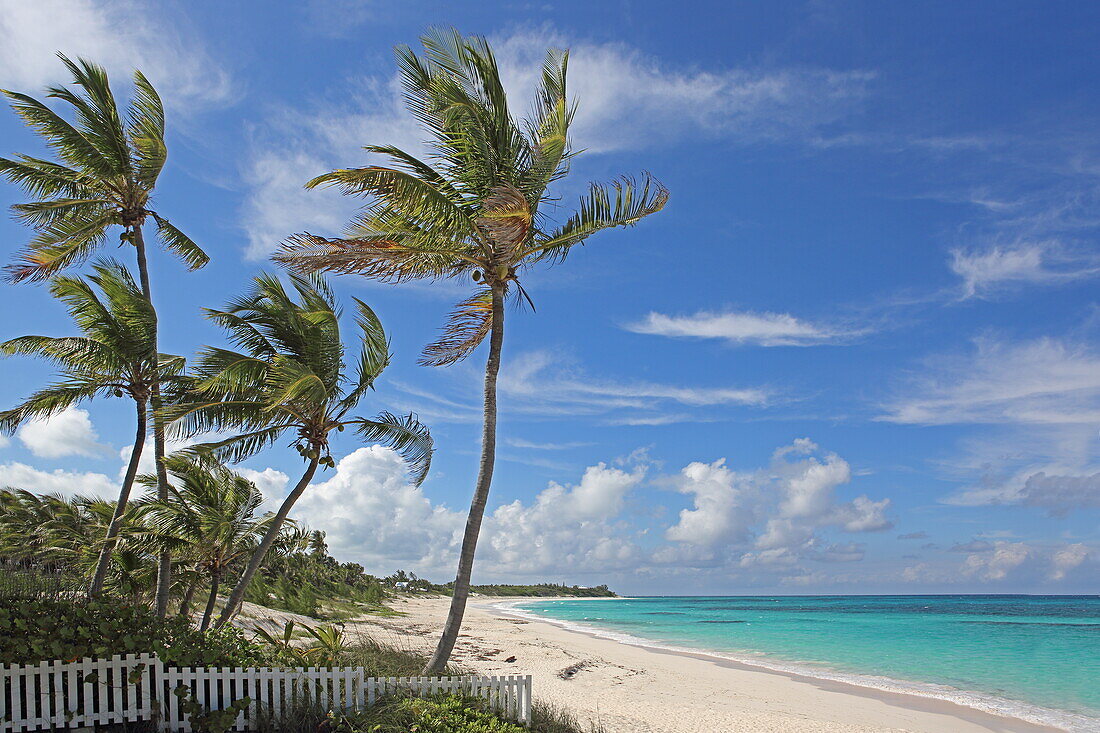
pixel 1032 657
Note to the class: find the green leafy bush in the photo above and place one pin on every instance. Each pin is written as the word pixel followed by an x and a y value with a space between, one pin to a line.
pixel 439 714
pixel 37 630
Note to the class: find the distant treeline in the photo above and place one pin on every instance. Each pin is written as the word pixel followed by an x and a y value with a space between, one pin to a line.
pixel 544 589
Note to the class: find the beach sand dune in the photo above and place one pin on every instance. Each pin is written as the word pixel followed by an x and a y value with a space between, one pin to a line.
pixel 633 689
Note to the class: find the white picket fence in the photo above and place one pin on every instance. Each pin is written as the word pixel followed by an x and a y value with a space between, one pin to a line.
pixel 139 687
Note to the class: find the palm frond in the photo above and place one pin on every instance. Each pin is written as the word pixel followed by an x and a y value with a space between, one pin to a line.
pixel 146 130
pixel 406 435
pixel 468 325
pixel 622 203
pixel 384 258
pixel 180 244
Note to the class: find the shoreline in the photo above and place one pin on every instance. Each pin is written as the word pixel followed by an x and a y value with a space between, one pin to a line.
pixel 979 708
pixel 636 688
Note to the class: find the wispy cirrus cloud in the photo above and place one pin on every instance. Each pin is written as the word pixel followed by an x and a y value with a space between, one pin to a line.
pixel 1043 381
pixel 539 382
pixel 989 270
pixel 627 100
pixel 745 328
pixel 1041 400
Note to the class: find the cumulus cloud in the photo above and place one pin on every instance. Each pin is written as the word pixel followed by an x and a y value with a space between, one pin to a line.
pixel 627 101
pixel 1066 559
pixel 774 516
pixel 68 433
pixel 985 271
pixel 566 527
pixel 744 328
pixel 67 483
pixel 374 516
pixel 120 34
pixel 998 562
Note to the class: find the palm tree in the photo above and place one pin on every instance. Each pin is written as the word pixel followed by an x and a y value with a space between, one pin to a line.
pixel 55 533
pixel 475 210
pixel 212 514
pixel 114 356
pixel 291 376
pixel 108 168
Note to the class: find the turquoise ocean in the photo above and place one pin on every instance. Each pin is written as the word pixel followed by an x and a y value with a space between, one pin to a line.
pixel 1031 657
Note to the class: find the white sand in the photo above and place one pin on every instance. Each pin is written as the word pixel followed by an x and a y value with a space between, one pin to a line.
pixel 632 689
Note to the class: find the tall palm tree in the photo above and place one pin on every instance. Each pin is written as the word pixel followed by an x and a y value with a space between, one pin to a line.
pixel 108 167
pixel 212 514
pixel 114 356
pixel 475 210
pixel 290 375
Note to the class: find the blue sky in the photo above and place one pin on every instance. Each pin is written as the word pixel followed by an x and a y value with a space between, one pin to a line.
pixel 858 351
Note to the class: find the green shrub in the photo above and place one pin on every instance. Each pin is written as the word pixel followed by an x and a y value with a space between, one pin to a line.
pixel 38 630
pixel 438 714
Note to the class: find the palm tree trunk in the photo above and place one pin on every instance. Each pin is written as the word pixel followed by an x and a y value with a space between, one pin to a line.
pixel 123 497
pixel 164 563
pixel 257 560
pixel 188 596
pixel 481 494
pixel 215 582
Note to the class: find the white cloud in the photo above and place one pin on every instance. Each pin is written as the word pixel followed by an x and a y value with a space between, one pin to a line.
pixel 743 327
pixel 67 483
pixel 722 510
pixel 118 34
pixel 998 563
pixel 373 516
pixel 279 204
pixel 271 483
pixel 530 445
pixel 540 381
pixel 627 101
pixel 68 433
pixel 985 271
pixel 1067 559
pixel 565 528
pixel 1044 381
pixel 778 511
pixel 4 442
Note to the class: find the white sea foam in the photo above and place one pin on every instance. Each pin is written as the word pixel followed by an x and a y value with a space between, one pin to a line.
pixel 979 701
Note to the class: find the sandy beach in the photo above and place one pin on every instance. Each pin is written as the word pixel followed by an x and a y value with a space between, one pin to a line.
pixel 633 689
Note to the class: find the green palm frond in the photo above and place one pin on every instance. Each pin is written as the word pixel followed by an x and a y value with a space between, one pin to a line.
pixel 406 435
pixel 622 203
pixel 180 244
